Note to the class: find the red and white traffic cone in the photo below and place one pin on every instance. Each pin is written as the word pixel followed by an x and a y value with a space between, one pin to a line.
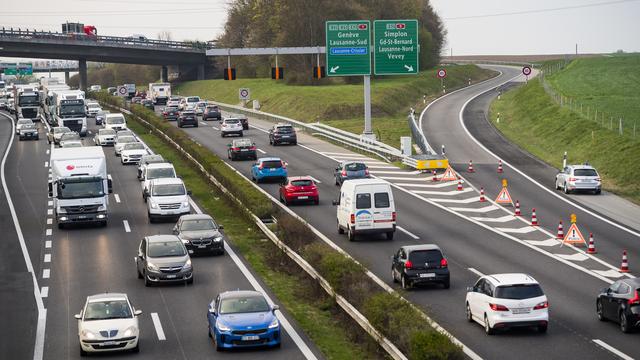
pixel 624 267
pixel 470 168
pixel 534 218
pixel 592 245
pixel 435 176
pixel 499 166
pixel 560 231
pixel 459 185
pixel 517 213
pixel 482 199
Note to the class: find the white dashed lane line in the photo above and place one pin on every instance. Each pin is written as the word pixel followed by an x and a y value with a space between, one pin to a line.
pixel 49 232
pixel 126 226
pixel 47 258
pixel 50 212
pixel 49 221
pixel 476 272
pixel 262 151
pixel 46 273
pixel 46 164
pixel 414 236
pixel 158 326
pixel 612 349
pixel 47 244
pixel 44 292
pixel 117 197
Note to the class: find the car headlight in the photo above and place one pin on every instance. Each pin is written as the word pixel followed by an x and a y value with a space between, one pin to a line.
pixel 61 210
pixel 185 203
pixel 152 266
pixel 131 331
pixel 187 265
pixel 217 238
pixel 102 208
pixel 153 205
pixel 88 335
pixel 185 241
pixel 274 324
pixel 222 327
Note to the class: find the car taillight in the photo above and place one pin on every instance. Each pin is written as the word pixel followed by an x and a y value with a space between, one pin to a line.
pixel 572 179
pixel 542 305
pixel 366 171
pixel 235 149
pixel 164 113
pixel 408 264
pixel 353 218
pixel 261 166
pixel 344 173
pixel 393 216
pixel 635 300
pixel 443 263
pixel 498 307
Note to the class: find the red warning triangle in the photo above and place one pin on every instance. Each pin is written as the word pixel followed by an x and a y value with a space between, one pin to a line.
pixel 574 236
pixel 449 175
pixel 504 197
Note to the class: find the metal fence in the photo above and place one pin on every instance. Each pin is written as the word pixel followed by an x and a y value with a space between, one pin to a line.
pixel 418 135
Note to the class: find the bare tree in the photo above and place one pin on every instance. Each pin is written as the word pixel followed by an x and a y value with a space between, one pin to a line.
pixel 165 35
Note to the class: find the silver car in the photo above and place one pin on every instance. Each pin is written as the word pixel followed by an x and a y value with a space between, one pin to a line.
pixel 22 123
pixel 579 178
pixel 163 258
pixel 105 137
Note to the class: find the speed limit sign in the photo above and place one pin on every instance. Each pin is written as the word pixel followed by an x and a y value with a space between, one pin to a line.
pixel 526 70
pixel 442 73
pixel 122 91
pixel 244 94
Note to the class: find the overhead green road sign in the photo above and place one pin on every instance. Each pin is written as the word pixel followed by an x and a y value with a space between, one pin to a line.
pixel 395 49
pixel 348 48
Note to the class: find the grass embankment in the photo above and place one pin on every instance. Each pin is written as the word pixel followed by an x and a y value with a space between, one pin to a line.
pixel 341 105
pixel 531 119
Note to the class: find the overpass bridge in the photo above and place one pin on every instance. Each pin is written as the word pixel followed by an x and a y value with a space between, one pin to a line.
pixel 128 50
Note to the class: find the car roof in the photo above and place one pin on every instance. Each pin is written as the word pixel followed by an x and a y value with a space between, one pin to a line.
pixel 269 159
pixel 581 167
pixel 411 248
pixel 159 165
pixel 282 124
pixel 167 181
pixel 115 115
pixel 106 296
pixel 511 278
pixel 195 217
pixel 239 293
pixel 161 238
pixel 353 162
pixel 105 130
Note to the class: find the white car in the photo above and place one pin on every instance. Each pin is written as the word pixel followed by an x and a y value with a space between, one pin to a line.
pixel 200 106
pixel 108 322
pixel 105 137
pixel 146 160
pixel 230 126
pixel 503 301
pixel 120 141
pixel 167 198
pixel 71 143
pixel 577 178
pixel 131 153
pixel 115 121
pixel 22 123
pixel 93 109
pixel 156 171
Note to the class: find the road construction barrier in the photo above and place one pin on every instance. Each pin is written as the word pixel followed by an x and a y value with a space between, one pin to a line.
pixel 624 267
pixel 517 211
pixel 500 170
pixel 482 199
pixel 560 235
pixel 534 218
pixel 470 168
pixel 459 185
pixel 592 245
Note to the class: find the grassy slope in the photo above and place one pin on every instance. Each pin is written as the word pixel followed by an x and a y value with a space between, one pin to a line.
pixel 531 119
pixel 342 105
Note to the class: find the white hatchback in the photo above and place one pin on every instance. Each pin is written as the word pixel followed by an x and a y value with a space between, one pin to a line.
pixel 503 301
pixel 108 322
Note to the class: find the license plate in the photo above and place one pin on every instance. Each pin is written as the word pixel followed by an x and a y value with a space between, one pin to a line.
pixel 82 217
pixel 427 275
pixel 520 310
pixel 202 246
pixel 272 169
pixel 172 212
pixel 109 343
pixel 244 149
pixel 171 276
pixel 250 338
pixel 303 197
pixel 285 136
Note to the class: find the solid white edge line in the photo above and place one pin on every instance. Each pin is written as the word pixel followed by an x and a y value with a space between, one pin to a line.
pixel 158 326
pixel 416 237
pixel 126 226
pixel 475 272
pixel 38 347
pixel 262 151
pixel 612 349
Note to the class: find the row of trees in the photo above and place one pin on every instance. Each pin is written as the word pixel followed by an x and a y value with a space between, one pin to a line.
pixel 118 74
pixel 283 23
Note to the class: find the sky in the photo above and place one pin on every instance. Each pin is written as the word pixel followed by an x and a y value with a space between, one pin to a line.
pixel 474 26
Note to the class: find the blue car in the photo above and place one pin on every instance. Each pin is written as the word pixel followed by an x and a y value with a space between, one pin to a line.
pixel 269 168
pixel 241 319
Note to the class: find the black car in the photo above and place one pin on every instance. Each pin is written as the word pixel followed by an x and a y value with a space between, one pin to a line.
pixel 420 264
pixel 187 117
pixel 242 148
pixel 147 104
pixel 281 134
pixel 200 234
pixel 212 112
pixel 171 113
pixel 101 116
pixel 349 170
pixel 620 302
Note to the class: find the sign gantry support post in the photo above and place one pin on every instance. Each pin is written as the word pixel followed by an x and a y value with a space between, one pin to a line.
pixel 367 133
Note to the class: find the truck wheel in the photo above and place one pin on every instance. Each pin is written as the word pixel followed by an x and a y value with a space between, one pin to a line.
pixel 390 235
pixel 351 235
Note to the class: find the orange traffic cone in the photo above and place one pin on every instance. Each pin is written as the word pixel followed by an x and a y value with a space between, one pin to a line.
pixel 624 267
pixel 459 185
pixel 435 176
pixel 592 246
pixel 482 199
pixel 500 166
pixel 517 213
pixel 534 218
pixel 560 231
pixel 470 168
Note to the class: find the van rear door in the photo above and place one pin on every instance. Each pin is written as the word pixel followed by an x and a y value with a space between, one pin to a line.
pixel 383 207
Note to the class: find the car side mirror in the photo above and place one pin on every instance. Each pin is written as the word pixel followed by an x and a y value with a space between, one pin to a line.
pixel 228 145
pixel 275 307
pixel 78 316
pixel 336 202
pixel 110 185
pixel 137 312
pixel 189 192
pixel 212 311
pixel 471 289
pixel 608 291
pixel 220 226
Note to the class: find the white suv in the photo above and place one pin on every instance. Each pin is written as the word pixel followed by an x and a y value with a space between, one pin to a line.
pixel 579 177
pixel 115 121
pixel 167 197
pixel 155 171
pixel 230 126
pixel 503 301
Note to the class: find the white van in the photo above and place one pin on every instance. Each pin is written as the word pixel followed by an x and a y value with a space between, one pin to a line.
pixel 115 121
pixel 366 206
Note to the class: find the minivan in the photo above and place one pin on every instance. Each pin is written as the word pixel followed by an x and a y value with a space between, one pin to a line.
pixel 366 206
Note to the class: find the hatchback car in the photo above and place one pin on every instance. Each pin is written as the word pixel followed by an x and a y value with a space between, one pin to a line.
pixel 212 112
pixel 131 153
pixel 22 122
pixel 243 120
pixel 100 116
pixel 200 234
pixel 120 141
pixel 105 137
pixel 282 134
pixel 187 117
pixel 351 170
pixel 108 322
pixel 579 178
pixel 28 131
pixel 230 126
pixel 620 302
pixel 163 258
pixel 146 160
pixel 53 136
pixel 268 169
pixel 242 149
pixel 299 189
pixel 420 264
pixel 503 301
pixel 242 319
pixel 170 113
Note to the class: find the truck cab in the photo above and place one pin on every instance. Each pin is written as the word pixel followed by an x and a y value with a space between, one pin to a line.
pixel 70 110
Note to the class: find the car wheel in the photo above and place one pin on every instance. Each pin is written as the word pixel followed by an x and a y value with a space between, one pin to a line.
pixel 406 284
pixel 151 219
pixel 294 143
pixel 393 276
pixel 557 185
pixel 487 327
pixel 566 189
pixel 147 282
pixel 82 352
pixel 240 133
pixel 190 281
pixel 600 311
pixel 350 234
pixel 390 235
pixel 138 271
pixel 542 329
pixel 624 323
pixel 209 332
pixel 137 348
pixel 446 284
pixel 597 192
pixel 468 314
pixel 196 125
pixel 60 225
pixel 337 182
pixel 316 202
pixel 340 229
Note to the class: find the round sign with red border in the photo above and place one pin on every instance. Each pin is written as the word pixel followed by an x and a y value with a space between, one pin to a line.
pixel 442 73
pixel 526 70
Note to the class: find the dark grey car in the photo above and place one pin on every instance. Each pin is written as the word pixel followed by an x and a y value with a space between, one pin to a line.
pixel 200 234
pixel 420 264
pixel 349 170
pixel 282 134
pixel 163 258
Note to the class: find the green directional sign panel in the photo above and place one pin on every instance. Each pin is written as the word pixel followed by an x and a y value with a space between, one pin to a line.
pixel 395 47
pixel 348 48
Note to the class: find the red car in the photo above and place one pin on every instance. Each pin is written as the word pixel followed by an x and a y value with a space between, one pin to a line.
pixel 300 189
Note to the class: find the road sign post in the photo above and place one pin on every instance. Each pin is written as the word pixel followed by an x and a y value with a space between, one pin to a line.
pixel 526 71
pixel 348 44
pixel 395 49
pixel 442 73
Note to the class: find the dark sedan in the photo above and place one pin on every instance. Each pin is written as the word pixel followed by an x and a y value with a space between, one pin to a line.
pixel 212 112
pixel 187 118
pixel 420 264
pixel 171 113
pixel 147 104
pixel 349 170
pixel 620 302
pixel 242 148
pixel 200 234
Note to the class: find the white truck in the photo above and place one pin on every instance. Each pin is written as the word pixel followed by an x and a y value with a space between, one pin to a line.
pixel 79 185
pixel 70 110
pixel 159 93
pixel 28 104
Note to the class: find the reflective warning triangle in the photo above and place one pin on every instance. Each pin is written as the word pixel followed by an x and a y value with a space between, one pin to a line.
pixel 574 236
pixel 449 175
pixel 504 197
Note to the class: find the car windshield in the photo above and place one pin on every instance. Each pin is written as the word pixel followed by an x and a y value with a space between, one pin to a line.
pixel 75 188
pixel 355 167
pixel 284 129
pixel 232 121
pixel 212 108
pixel 518 292
pixel 166 248
pixel 168 190
pixel 104 310
pixel 585 172
pixel 272 164
pixel 71 109
pixel 126 139
pixel 160 173
pixel 193 99
pixel 244 305
pixel 242 142
pixel 61 130
pixel 24 122
pixel 106 132
pixel 28 126
pixel 425 256
pixel 302 183
pixel 133 146
pixel 115 120
pixel 199 224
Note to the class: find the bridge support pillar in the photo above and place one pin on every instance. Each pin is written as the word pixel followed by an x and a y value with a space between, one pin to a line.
pixel 66 77
pixel 200 72
pixel 82 70
pixel 164 74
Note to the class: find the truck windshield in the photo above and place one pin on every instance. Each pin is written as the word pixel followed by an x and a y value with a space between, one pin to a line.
pixel 71 110
pixel 31 100
pixel 80 188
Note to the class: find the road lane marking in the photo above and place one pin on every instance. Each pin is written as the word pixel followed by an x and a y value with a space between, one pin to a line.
pixel 612 349
pixel 117 197
pixel 126 226
pixel 573 257
pixel 428 186
pixel 203 123
pixel 158 326
pixel 476 272
pixel 522 230
pixel 337 154
pixel 48 232
pixel 44 292
pixel 315 180
pixel 501 219
pixel 50 203
pixel 46 164
pixel 548 242
pixel 214 128
pixel 407 232
pixel 460 201
pixel 47 152
pixel 397 172
pixel 47 244
pixel 47 258
pixel 262 151
pixel 444 193
pixel 479 210
pixel 49 211
pixel 609 273
pixel 49 221
pixel 46 273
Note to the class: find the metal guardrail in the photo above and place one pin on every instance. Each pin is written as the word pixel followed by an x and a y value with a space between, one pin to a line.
pixel 30 34
pixel 418 136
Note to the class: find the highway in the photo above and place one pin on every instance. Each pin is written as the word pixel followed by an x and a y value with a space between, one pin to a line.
pixel 75 262
pixel 471 249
